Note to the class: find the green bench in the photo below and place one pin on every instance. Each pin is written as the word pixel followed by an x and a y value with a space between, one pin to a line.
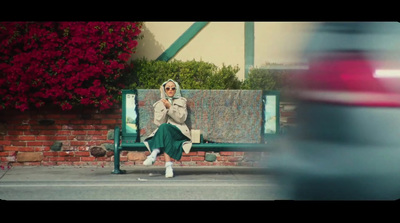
pixel 229 120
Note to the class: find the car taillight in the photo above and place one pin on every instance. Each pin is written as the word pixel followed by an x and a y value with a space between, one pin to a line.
pixel 351 79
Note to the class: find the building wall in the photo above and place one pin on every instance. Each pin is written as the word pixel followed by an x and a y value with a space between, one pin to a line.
pixel 223 42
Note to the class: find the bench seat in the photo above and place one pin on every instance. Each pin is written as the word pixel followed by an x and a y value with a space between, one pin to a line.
pixel 229 120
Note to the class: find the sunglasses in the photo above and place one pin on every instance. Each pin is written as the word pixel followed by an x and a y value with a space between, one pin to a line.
pixel 167 89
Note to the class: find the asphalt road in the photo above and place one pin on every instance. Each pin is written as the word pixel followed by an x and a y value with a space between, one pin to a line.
pixel 139 183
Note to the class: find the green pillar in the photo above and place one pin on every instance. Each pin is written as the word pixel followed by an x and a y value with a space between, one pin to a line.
pixel 248 47
pixel 182 41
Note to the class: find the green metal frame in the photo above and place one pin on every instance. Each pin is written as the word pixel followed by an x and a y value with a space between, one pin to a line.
pixel 131 137
pixel 130 142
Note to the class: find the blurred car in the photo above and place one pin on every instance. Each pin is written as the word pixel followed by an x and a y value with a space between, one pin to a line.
pixel 346 145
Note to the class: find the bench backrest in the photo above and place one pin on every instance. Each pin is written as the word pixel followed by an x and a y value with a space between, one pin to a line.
pixel 223 116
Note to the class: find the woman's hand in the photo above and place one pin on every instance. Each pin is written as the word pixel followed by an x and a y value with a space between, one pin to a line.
pixel 166 103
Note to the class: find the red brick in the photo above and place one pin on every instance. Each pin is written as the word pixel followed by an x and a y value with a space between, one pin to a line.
pixel 20 127
pixel 5 153
pixel 186 158
pixel 47 143
pixel 18 143
pixel 78 143
pixel 26 149
pixel 82 137
pixel 83 148
pixel 222 158
pixel 13 138
pixel 136 156
pixel 93 121
pixel 82 153
pixel 63 132
pixel 96 137
pixel 15 132
pixel 229 164
pixel 226 153
pixel 78 132
pixel 45 148
pixel 54 116
pixel 47 132
pixel 91 158
pixel 108 121
pixel 72 158
pixel 45 127
pixel 100 127
pixel 5 142
pixel 50 153
pixel 14 122
pixel 21 116
pixel 60 138
pixel 234 159
pixel 29 157
pixel 26 138
pixel 31 132
pixel 61 122
pixel 33 122
pixel 94 143
pixel 45 137
pixel 106 159
pixel 34 143
pixel 55 158
pixel 77 122
pixel 96 132
pixel 114 116
pixel 189 154
pixel 66 153
pixel 69 116
pixel 201 153
pixel 67 127
pixel 11 148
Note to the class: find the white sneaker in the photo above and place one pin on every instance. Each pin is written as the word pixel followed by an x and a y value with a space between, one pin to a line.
pixel 149 161
pixel 169 172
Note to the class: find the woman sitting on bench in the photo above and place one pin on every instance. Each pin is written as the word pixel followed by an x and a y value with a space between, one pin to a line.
pixel 172 135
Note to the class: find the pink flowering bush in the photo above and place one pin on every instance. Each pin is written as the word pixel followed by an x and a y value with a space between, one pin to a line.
pixel 64 63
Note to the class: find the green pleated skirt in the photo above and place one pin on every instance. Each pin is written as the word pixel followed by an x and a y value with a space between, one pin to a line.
pixel 168 139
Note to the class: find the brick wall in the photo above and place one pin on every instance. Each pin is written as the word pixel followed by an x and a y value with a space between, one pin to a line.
pixel 81 137
pixel 50 136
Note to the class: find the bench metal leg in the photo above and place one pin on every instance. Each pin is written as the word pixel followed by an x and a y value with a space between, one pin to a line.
pixel 117 169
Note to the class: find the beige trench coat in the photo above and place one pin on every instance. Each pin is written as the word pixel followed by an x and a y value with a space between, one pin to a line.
pixel 175 115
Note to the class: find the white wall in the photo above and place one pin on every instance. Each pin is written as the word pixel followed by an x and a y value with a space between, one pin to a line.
pixel 223 42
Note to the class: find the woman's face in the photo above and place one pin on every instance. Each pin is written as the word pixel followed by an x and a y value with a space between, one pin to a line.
pixel 170 89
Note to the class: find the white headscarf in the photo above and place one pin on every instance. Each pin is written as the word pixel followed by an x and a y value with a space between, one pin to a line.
pixel 177 92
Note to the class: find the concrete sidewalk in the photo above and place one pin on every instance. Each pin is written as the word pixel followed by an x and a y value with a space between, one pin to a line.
pixel 139 183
